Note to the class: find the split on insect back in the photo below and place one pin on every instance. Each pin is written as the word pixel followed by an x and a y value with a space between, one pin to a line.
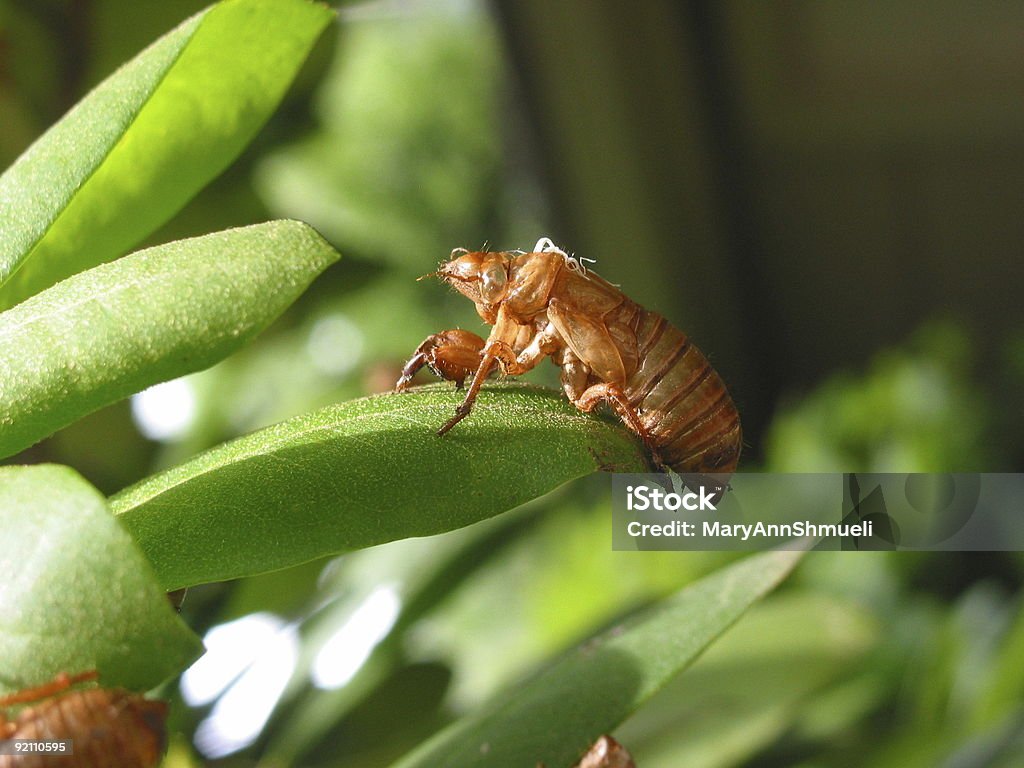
pixel 547 304
pixel 97 726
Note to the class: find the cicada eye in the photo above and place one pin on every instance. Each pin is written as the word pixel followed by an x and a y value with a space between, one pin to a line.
pixel 494 281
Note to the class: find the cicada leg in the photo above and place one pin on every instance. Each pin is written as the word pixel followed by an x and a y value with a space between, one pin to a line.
pixel 612 394
pixel 452 355
pixel 493 351
pixel 497 349
pixel 61 682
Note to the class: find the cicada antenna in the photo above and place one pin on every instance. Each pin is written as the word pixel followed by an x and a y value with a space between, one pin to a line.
pixel 445 275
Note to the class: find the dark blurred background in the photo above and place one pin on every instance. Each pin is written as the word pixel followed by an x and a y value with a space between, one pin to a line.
pixel 826 196
pixel 798 183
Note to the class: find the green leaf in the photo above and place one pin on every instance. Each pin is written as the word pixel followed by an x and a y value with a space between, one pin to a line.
pixel 157 314
pixel 138 147
pixel 756 683
pixel 362 473
pixel 76 592
pixel 553 718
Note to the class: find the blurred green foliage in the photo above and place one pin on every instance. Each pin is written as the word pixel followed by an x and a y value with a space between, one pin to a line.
pixel 919 408
pixel 384 176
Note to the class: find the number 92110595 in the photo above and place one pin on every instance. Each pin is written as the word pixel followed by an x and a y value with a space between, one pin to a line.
pixel 611 350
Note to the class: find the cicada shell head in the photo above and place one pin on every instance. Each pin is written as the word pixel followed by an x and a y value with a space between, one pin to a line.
pixel 481 276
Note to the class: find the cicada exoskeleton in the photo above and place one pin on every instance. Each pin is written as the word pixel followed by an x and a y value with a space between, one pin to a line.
pixel 545 304
pixel 108 727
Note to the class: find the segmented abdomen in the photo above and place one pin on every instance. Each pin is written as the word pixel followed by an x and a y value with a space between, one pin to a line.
pixel 682 401
pixel 108 727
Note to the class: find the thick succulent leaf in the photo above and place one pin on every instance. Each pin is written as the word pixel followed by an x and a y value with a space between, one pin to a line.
pixel 157 314
pixel 362 473
pixel 134 151
pixel 75 592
